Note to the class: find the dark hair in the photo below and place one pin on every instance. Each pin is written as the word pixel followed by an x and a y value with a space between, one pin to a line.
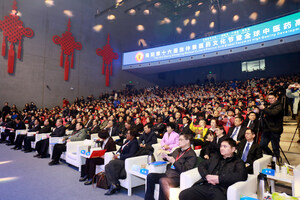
pixel 171 124
pixel 148 125
pixel 221 127
pixel 240 117
pixel 252 130
pixel 18 118
pixel 133 133
pixel 251 113
pixel 187 136
pixel 273 94
pixel 103 134
pixel 230 141
pixel 81 124
pixel 187 119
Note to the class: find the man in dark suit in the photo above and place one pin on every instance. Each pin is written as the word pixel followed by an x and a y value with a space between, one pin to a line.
pixel 43 145
pixel 185 128
pixel 29 139
pixel 214 147
pixel 88 170
pixel 249 151
pixel 20 138
pixel 112 131
pixel 89 123
pixel 251 122
pixel 77 135
pixel 237 133
pixel 18 125
pixel 146 140
pixel 115 169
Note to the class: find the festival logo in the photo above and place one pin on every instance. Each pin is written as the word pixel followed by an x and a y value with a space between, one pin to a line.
pixel 139 56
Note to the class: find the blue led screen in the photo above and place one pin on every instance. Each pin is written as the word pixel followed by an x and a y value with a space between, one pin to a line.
pixel 278 28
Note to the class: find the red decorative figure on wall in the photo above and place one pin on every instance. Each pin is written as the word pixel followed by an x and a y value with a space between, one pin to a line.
pixel 68 44
pixel 107 55
pixel 13 31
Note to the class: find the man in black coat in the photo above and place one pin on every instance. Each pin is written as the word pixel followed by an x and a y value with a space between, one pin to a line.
pixel 214 147
pixel 146 140
pixel 186 128
pixel 249 151
pixel 43 145
pixel 272 125
pixel 29 139
pixel 237 133
pixel 18 125
pixel 20 138
pixel 217 174
pixel 181 160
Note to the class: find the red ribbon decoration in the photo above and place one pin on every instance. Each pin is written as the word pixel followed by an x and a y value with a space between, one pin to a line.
pixel 107 57
pixel 13 31
pixel 68 44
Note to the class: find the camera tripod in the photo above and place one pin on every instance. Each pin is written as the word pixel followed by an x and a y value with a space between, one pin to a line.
pixel 261 119
pixel 294 135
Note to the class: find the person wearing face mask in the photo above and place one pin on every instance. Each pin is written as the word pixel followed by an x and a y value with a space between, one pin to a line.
pixel 217 174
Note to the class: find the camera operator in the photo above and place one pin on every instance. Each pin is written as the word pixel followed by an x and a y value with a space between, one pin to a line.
pixel 272 124
pixel 293 92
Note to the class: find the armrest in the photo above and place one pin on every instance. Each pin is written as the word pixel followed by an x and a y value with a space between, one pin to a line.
pixel 108 156
pixel 31 133
pixel 261 163
pixel 74 146
pixel 94 136
pixel 22 132
pixel 138 160
pixel 54 140
pixel 242 188
pixel 41 136
pixel 188 178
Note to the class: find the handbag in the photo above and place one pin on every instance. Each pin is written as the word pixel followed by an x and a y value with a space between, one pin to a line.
pixel 101 180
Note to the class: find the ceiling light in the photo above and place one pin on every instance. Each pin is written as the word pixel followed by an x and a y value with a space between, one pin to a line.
pixel 146 12
pixel 235 18
pixel 192 35
pixel 68 13
pixel 263 1
pixel 167 20
pixel 253 16
pixel 197 13
pixel 200 3
pixel 280 3
pixel 140 28
pixel 179 30
pixel 213 10
pixel 157 4
pixel 97 27
pixel 142 42
pixel 212 25
pixel 190 5
pixel 193 22
pixel 223 8
pixel 49 3
pixel 132 11
pixel 186 22
pixel 111 17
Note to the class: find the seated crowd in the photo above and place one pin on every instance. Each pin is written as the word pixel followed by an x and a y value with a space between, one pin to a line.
pixel 220 119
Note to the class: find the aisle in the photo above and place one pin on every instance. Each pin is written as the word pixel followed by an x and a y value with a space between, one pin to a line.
pixel 23 177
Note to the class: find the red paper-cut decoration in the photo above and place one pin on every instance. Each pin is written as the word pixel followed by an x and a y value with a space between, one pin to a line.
pixel 68 44
pixel 107 55
pixel 13 31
